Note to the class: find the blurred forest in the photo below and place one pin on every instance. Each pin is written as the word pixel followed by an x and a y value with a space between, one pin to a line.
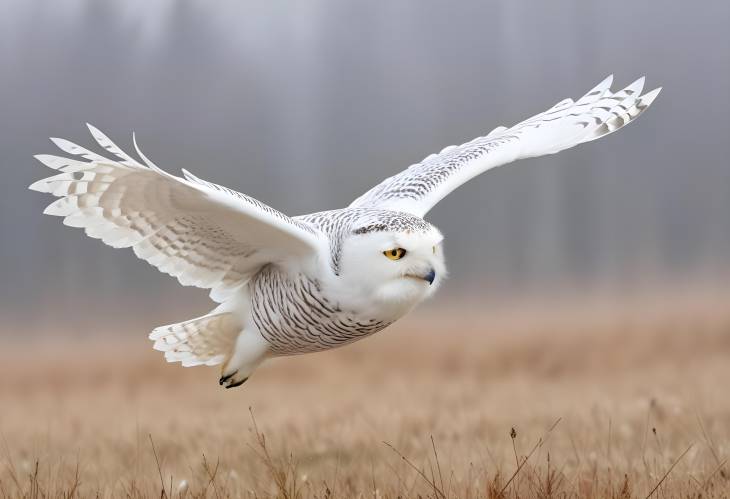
pixel 305 105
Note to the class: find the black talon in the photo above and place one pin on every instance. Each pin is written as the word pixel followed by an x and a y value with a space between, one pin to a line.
pixel 239 383
pixel 226 378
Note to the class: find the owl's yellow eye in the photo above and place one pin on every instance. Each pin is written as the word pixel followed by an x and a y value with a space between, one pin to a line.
pixel 395 253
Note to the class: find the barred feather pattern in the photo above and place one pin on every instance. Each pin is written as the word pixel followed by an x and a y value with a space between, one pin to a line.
pixel 598 113
pixel 295 316
pixel 291 310
pixel 204 234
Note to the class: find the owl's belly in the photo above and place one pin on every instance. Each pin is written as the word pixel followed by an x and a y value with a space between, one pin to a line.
pixel 295 316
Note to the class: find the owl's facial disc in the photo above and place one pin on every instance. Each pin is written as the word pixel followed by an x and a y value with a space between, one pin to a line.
pixel 391 271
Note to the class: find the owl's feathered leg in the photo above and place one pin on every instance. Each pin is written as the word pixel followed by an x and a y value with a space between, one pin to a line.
pixel 250 351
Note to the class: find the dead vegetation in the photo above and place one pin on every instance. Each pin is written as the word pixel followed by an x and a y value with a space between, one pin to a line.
pixel 608 404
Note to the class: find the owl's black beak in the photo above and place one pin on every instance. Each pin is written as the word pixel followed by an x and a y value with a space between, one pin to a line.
pixel 430 277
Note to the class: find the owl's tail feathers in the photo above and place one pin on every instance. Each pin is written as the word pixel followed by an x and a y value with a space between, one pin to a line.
pixel 208 340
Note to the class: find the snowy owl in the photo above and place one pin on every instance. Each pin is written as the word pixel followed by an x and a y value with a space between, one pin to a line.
pixel 290 285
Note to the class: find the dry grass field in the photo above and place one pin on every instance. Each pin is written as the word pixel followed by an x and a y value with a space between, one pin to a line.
pixel 627 400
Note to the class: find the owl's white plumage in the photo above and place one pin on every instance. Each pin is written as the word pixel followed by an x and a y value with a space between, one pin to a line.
pixel 288 285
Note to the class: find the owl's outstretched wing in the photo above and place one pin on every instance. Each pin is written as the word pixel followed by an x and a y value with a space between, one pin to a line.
pixel 203 234
pixel 598 113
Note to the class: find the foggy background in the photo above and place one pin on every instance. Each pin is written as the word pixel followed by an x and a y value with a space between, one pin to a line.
pixel 305 105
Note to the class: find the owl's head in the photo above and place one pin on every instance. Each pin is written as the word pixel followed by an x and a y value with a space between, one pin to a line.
pixel 392 260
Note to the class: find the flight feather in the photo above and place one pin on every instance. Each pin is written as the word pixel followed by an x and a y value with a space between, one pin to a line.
pixel 568 123
pixel 204 234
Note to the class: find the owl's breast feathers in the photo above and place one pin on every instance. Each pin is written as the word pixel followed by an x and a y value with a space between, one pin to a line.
pixel 295 315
